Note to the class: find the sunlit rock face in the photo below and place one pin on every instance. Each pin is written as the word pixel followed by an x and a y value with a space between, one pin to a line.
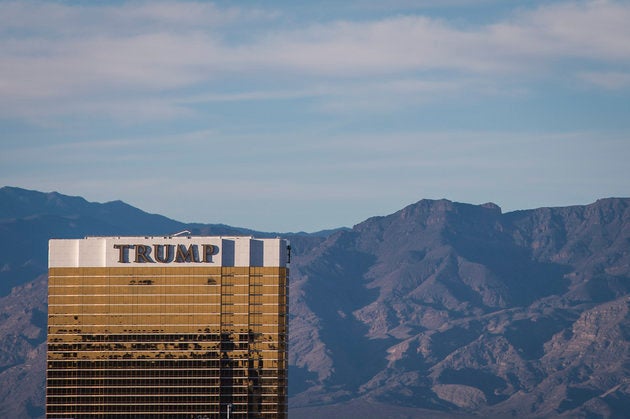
pixel 462 308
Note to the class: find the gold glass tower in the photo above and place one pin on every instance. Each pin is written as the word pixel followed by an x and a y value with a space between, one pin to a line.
pixel 167 327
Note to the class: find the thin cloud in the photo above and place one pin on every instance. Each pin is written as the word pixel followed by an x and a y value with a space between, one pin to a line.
pixel 610 80
pixel 55 55
pixel 531 40
pixel 34 18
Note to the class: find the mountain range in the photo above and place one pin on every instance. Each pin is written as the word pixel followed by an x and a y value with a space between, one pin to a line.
pixel 441 309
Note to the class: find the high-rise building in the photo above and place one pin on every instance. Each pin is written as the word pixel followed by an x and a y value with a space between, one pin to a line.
pixel 167 327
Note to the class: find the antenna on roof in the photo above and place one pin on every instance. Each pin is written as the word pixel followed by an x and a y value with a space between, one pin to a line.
pixel 180 233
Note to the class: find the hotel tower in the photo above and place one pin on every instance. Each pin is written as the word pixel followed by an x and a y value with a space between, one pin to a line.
pixel 167 327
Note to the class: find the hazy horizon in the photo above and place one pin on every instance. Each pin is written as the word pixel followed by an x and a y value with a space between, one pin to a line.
pixel 291 116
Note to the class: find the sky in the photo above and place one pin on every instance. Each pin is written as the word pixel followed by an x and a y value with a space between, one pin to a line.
pixel 302 116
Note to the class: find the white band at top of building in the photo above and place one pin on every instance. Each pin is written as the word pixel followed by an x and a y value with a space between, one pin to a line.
pixel 167 250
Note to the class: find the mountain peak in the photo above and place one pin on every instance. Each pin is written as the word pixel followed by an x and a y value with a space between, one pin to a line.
pixel 491 206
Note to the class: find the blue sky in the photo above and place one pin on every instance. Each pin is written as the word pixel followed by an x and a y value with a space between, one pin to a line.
pixel 298 115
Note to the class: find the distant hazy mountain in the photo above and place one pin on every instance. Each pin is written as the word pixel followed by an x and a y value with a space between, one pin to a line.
pixel 441 309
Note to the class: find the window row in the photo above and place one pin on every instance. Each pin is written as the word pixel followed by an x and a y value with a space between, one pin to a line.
pixel 164 390
pixel 159 298
pixel 67 377
pixel 156 328
pixel 208 335
pixel 188 280
pixel 133 367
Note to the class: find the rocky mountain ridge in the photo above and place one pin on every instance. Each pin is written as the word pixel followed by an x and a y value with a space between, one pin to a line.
pixel 461 308
pixel 441 309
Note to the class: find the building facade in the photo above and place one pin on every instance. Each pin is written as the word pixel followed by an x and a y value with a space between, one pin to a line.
pixel 167 327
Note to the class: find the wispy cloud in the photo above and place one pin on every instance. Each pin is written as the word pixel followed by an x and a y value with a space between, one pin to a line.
pixel 126 18
pixel 54 55
pixel 611 80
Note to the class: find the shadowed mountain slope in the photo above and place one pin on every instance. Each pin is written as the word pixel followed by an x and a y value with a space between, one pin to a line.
pixel 461 308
